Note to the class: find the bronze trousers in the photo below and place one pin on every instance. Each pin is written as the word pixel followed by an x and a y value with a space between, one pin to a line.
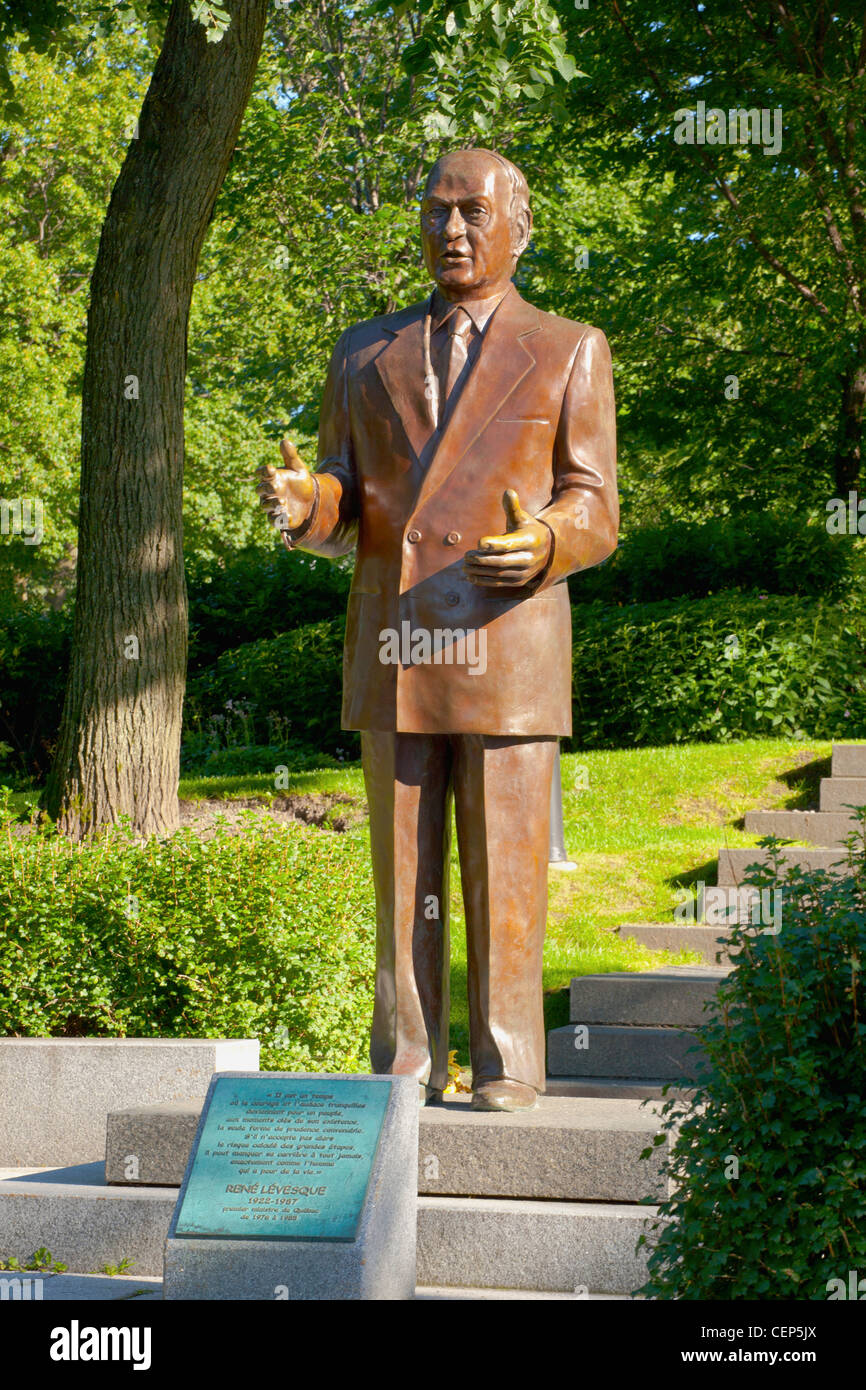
pixel 500 787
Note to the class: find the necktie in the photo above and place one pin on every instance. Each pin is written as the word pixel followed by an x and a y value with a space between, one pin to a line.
pixel 461 327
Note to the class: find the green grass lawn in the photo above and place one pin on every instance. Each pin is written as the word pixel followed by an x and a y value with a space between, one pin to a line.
pixel 638 823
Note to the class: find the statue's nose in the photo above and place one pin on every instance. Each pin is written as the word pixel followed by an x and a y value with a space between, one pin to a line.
pixel 455 226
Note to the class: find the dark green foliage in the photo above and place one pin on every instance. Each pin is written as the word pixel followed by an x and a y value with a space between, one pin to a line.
pixel 202 756
pixel 292 682
pixel 267 934
pixel 266 635
pixel 258 593
pixel 786 1101
pixel 255 594
pixel 713 669
pixel 717 669
pixel 755 552
pixel 34 654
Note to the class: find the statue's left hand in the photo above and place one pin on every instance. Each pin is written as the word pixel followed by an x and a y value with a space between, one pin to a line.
pixel 511 560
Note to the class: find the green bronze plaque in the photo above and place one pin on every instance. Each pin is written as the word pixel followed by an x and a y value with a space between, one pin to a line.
pixel 283 1159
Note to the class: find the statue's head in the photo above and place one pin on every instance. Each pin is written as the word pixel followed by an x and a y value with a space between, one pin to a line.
pixel 475 223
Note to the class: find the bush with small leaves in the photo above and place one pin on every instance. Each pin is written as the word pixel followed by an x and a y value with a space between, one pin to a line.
pixel 267 934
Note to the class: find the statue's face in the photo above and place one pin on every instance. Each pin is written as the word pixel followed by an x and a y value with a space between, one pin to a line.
pixel 466 227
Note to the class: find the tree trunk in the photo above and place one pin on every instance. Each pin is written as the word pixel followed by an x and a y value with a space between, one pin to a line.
pixel 849 454
pixel 118 750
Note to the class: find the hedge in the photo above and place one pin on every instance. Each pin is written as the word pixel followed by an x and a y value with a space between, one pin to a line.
pixel 268 935
pixel 34 656
pixel 644 674
pixel 750 553
pixel 717 669
pixel 296 677
pixel 712 669
pixel 259 593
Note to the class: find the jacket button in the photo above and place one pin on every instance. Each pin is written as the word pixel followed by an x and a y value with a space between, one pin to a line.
pixel 453 537
pixel 414 536
pixel 451 598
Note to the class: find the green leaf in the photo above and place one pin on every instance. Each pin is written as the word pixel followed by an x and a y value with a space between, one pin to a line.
pixel 567 67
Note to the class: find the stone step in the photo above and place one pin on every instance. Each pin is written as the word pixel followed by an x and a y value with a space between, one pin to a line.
pixel 734 863
pixel 673 997
pixel 562 1247
pixel 562 1150
pixel 104 1288
pixel 722 907
pixel 602 1050
pixel 450 1294
pixel 837 793
pixel 463 1242
pixel 817 827
pixel 65 1087
pixel 609 1087
pixel 709 942
pixel 85 1224
pixel 849 760
pixel 85 1288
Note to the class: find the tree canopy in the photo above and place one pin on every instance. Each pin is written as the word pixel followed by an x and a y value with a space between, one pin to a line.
pixel 696 175
pixel 729 280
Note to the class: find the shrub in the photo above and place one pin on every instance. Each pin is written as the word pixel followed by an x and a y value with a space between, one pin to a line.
pixel 784 1098
pixel 34 655
pixel 258 594
pixel 267 934
pixel 717 669
pixel 198 757
pixel 254 594
pixel 644 673
pixel 294 680
pixel 752 553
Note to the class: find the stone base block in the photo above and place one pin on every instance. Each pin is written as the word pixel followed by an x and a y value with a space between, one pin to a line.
pixel 377 1263
pixel 562 1149
pixel 56 1092
pixel 83 1223
pixel 150 1144
pixel 463 1242
pixel 610 1088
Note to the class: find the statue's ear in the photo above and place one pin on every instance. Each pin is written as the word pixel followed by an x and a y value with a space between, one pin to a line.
pixel 521 230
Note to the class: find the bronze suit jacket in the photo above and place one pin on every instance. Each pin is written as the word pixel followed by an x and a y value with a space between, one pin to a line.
pixel 536 414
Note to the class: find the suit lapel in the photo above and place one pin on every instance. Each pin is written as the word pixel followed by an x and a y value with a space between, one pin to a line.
pixel 401 367
pixel 504 360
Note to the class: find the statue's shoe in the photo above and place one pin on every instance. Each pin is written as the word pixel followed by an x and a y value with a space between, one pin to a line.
pixel 428 1095
pixel 504 1095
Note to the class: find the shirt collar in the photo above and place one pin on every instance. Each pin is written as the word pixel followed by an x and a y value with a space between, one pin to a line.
pixel 479 310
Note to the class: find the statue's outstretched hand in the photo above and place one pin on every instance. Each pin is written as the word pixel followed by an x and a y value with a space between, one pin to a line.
pixel 515 558
pixel 287 494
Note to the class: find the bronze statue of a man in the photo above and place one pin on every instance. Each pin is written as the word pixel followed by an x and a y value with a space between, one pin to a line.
pixel 467 450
